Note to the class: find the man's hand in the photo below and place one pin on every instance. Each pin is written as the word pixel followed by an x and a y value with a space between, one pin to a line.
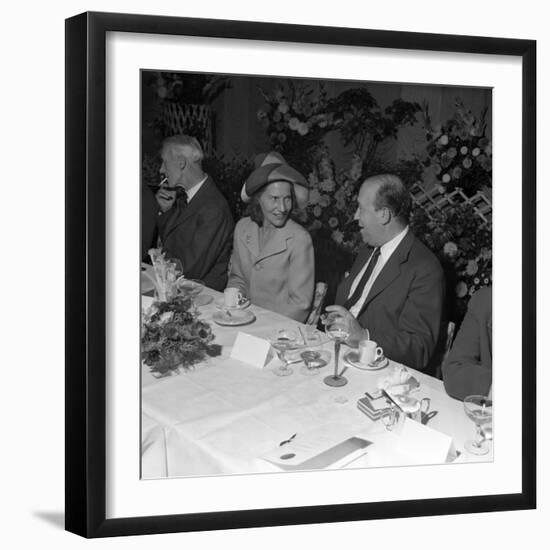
pixel 357 332
pixel 165 199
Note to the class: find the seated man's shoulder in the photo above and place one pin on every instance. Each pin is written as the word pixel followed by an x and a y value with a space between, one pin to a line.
pixel 482 299
pixel 425 257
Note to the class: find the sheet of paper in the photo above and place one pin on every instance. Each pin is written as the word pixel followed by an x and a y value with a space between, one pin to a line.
pixel 317 449
pixel 251 350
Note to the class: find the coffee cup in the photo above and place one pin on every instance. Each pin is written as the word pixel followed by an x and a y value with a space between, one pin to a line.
pixel 369 352
pixel 232 297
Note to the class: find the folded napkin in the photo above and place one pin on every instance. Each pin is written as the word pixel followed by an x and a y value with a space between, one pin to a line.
pixel 398 381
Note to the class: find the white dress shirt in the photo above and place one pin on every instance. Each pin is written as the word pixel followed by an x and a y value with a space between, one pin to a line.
pixel 386 250
pixel 193 191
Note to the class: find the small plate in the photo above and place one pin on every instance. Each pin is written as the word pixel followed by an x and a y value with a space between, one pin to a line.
pixel 234 318
pixel 352 357
pixel 220 305
pixel 203 300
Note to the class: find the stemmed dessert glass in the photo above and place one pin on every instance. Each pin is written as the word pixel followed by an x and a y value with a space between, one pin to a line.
pixel 337 329
pixel 191 288
pixel 284 340
pixel 479 409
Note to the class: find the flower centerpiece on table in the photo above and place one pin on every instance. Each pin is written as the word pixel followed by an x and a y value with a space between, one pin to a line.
pixel 172 335
pixel 459 151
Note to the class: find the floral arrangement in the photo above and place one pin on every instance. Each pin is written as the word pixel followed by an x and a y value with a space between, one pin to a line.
pixel 296 120
pixel 333 202
pixel 173 337
pixel 464 248
pixel 459 151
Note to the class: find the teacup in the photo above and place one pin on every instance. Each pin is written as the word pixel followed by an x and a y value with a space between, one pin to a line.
pixel 369 352
pixel 233 297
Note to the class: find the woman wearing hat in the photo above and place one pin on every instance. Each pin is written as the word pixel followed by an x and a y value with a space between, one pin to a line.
pixel 272 261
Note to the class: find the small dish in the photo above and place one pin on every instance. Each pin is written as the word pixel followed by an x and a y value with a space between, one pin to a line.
pixel 233 318
pixel 221 305
pixel 352 357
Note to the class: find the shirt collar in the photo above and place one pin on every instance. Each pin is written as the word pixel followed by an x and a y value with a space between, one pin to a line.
pixel 193 191
pixel 387 249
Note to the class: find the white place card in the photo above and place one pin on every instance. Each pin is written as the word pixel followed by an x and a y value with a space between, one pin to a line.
pixel 423 444
pixel 251 350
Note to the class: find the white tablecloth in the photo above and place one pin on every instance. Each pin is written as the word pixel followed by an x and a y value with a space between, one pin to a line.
pixel 225 415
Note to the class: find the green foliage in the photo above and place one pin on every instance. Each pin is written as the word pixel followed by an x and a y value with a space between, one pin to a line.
pixel 363 124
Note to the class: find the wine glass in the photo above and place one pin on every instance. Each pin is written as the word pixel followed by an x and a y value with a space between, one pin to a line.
pixel 479 409
pixel 191 288
pixel 282 341
pixel 337 329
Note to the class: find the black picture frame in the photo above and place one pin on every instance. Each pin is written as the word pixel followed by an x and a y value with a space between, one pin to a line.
pixel 86 284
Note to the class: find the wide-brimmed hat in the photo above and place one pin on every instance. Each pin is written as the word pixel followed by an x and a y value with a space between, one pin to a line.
pixel 270 168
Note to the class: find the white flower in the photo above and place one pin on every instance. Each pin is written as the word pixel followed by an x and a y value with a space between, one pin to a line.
pixel 472 267
pixel 444 139
pixel 467 162
pixel 303 129
pixel 165 317
pixel 337 236
pixel 314 196
pixel 317 211
pixel 283 108
pixel 333 222
pixel 464 149
pixel 446 178
pixel 461 289
pixel 476 151
pixel 293 123
pixel 476 281
pixel 340 204
pixel 450 249
pixel 327 185
pixel 325 201
pixel 312 179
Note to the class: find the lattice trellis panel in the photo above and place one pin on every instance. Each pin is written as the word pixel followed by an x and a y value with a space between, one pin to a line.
pixel 434 200
pixel 190 119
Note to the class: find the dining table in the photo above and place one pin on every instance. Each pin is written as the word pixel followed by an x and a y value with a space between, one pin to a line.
pixel 226 416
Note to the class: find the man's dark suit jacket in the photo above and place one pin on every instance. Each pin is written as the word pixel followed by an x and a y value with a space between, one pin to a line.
pixel 403 309
pixel 469 367
pixel 200 235
pixel 149 218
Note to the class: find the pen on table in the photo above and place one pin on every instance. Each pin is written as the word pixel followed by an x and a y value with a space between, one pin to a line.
pixel 287 440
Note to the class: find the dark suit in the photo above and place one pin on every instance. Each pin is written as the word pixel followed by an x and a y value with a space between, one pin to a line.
pixel 200 235
pixel 404 306
pixel 149 216
pixel 468 369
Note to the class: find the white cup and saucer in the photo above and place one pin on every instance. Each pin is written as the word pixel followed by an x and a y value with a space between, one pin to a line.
pixel 233 298
pixel 368 356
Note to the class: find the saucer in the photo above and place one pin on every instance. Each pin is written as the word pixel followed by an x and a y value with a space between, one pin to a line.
pixel 352 357
pixel 234 318
pixel 221 305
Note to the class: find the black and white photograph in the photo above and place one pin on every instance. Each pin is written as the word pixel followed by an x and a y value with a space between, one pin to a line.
pixel 316 274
